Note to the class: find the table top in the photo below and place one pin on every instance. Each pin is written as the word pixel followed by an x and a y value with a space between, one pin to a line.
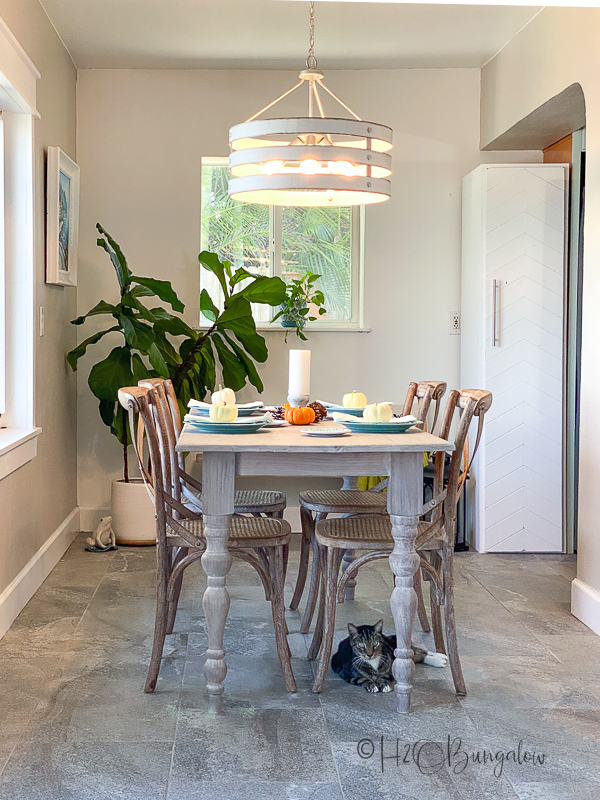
pixel 290 439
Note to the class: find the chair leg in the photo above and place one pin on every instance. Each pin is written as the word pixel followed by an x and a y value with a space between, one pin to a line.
pixel 279 624
pixel 306 522
pixel 313 592
pixel 436 610
pixel 331 568
pixel 174 602
pixel 450 625
pixel 160 624
pixel 351 585
pixel 317 637
pixel 421 610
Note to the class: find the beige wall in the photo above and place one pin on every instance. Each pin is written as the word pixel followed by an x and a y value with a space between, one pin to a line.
pixel 557 49
pixel 141 135
pixel 40 495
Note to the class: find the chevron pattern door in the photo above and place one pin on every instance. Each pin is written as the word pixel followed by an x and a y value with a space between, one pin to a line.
pixel 514 221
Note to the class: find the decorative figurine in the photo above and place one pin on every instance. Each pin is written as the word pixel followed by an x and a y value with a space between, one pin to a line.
pixel 103 538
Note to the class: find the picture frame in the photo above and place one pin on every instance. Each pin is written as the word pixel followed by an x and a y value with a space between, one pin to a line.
pixel 62 218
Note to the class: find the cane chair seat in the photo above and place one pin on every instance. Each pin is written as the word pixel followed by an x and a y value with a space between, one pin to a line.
pixel 339 501
pixel 356 533
pixel 245 531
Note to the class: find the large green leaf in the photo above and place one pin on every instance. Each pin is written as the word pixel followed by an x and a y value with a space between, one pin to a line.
pixel 139 335
pixel 271 291
pixel 107 411
pixel 210 261
pixel 100 308
pixel 207 307
pixel 109 375
pixel 173 325
pixel 162 289
pixel 139 369
pixel 157 361
pixel 234 373
pixel 238 312
pixel 247 363
pixel 254 344
pixel 77 352
pixel 116 256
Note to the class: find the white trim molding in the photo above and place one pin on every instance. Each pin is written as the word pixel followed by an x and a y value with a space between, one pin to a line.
pixel 17 447
pixel 18 75
pixel 22 588
pixel 585 604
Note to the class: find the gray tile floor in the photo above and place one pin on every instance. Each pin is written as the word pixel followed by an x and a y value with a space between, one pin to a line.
pixel 75 723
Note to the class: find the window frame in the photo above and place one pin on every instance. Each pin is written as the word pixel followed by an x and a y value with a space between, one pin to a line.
pixel 355 323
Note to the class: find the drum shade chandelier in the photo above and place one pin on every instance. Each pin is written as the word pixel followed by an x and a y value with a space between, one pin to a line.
pixel 313 160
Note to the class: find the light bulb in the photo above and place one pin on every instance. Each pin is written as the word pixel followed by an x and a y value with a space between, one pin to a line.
pixel 271 167
pixel 309 166
pixel 346 168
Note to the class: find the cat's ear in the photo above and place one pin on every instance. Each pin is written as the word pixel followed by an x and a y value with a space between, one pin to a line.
pixel 378 627
pixel 352 629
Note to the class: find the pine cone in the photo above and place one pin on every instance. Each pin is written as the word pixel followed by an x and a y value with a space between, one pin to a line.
pixel 319 409
pixel 278 413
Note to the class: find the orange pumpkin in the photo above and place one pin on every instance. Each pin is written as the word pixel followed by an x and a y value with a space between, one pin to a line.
pixel 299 416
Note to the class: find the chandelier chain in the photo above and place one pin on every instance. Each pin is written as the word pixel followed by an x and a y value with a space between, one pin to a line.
pixel 311 61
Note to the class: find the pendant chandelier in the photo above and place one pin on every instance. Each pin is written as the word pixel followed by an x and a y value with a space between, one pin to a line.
pixel 313 160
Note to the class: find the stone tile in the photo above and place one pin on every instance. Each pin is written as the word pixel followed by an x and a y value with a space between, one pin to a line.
pixel 90 770
pixel 549 619
pixel 133 559
pixel 254 790
pixel 557 791
pixel 579 654
pixel 252 681
pixel 569 740
pixel 252 745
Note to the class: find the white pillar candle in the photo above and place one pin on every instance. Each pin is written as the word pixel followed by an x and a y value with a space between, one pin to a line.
pixel 299 375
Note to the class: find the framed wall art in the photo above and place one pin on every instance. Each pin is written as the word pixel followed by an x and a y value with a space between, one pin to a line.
pixel 62 218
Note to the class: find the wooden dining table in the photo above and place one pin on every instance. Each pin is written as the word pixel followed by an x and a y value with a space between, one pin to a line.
pixel 287 451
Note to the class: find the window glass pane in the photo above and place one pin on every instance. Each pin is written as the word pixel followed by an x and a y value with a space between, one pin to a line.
pixel 320 240
pixel 237 232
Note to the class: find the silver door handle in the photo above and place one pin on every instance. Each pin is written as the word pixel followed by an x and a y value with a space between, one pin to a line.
pixel 494 314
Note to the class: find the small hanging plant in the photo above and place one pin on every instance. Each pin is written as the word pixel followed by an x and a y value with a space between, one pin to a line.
pixel 301 299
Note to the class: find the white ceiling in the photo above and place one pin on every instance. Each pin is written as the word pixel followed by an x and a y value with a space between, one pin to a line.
pixel 271 34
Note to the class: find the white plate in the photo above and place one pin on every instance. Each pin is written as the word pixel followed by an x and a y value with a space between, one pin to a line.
pixel 277 423
pixel 325 431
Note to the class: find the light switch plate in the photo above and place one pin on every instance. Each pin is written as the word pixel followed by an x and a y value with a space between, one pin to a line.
pixel 454 324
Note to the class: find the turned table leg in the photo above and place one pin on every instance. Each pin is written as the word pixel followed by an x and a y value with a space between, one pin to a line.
pixel 405 501
pixel 218 473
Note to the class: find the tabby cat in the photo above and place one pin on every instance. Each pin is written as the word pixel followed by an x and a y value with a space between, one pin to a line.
pixel 365 658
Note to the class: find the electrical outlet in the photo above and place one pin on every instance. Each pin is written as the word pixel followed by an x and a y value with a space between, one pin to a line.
pixel 454 324
pixel 41 324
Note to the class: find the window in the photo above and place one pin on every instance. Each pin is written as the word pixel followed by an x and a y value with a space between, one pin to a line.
pixel 284 241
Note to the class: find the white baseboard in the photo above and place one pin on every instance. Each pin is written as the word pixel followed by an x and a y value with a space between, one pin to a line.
pixel 22 588
pixel 585 604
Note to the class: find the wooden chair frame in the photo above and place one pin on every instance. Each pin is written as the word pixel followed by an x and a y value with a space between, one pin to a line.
pixel 434 543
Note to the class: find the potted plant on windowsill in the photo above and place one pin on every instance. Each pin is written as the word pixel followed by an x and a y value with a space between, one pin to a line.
pixel 231 344
pixel 302 301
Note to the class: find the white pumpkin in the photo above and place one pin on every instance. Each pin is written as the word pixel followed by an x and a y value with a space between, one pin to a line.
pixel 378 412
pixel 222 412
pixel 223 396
pixel 354 400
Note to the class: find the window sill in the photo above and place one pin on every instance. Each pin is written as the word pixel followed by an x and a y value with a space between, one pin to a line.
pixel 17 447
pixel 308 329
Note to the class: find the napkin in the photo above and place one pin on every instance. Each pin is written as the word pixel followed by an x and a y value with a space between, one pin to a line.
pixel 201 404
pixel 339 417
pixel 194 419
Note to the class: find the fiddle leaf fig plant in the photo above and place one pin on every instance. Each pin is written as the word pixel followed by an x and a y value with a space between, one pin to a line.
pixel 231 343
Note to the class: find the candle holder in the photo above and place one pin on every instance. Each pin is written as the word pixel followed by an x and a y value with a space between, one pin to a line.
pixel 298 402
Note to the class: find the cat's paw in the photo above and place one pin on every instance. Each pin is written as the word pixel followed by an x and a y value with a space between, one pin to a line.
pixel 436 659
pixel 387 687
pixel 371 687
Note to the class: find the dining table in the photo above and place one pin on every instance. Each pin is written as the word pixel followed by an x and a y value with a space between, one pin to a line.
pixel 289 451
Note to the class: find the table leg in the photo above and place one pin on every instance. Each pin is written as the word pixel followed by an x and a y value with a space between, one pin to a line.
pixel 218 474
pixel 405 501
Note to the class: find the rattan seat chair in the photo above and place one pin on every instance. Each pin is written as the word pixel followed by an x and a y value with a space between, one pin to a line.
pixel 316 505
pixel 260 541
pixel 371 536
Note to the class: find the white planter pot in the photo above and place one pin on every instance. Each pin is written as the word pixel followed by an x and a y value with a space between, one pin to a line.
pixel 132 513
